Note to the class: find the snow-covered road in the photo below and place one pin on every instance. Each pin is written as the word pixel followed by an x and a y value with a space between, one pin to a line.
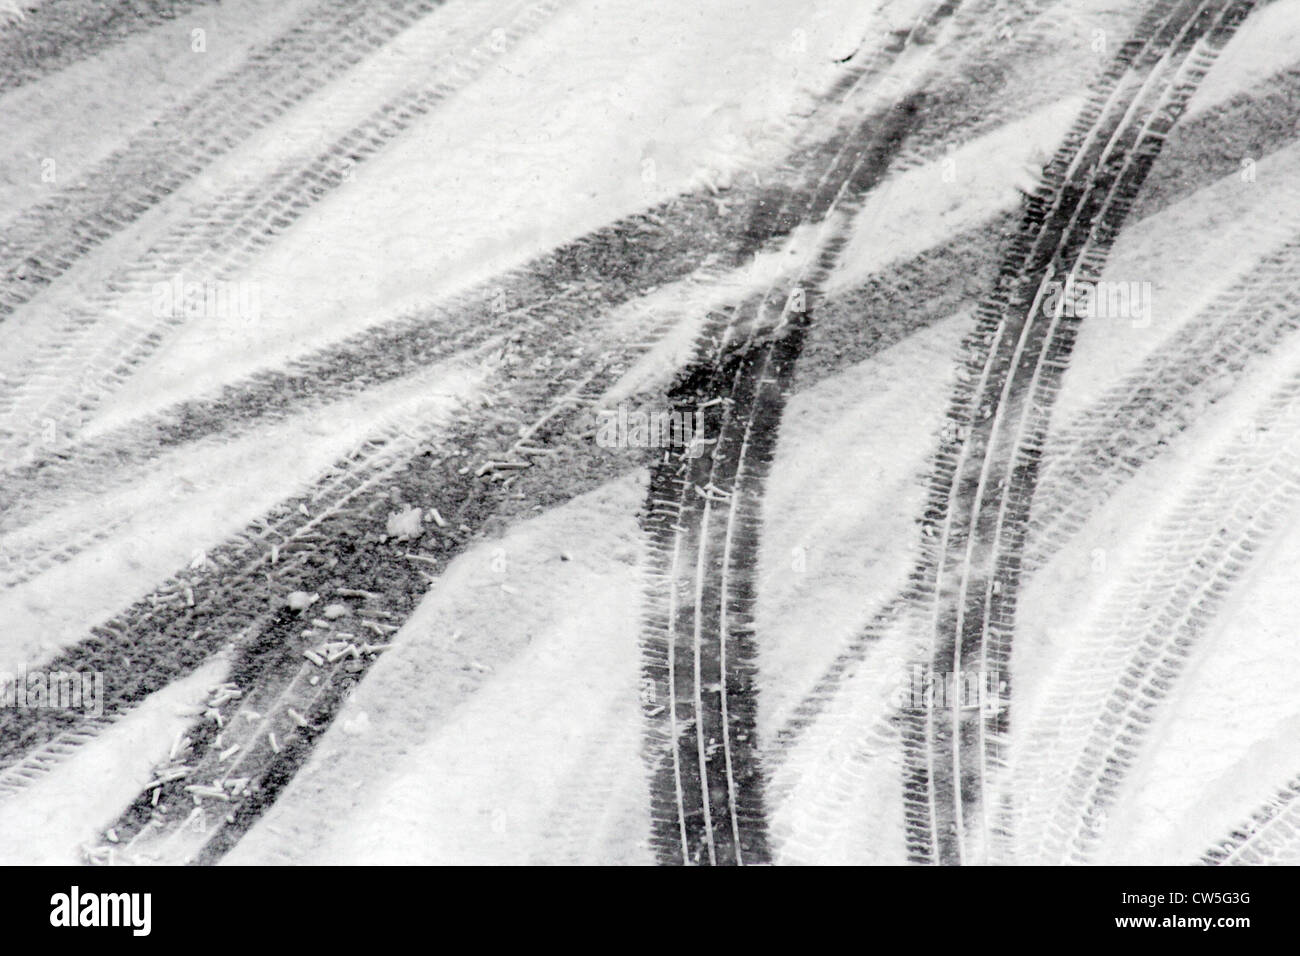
pixel 466 229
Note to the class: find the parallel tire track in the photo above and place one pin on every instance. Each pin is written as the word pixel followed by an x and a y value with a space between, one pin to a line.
pixel 46 239
pixel 987 464
pixel 1131 425
pixel 673 535
pixel 1153 626
pixel 936 285
pixel 80 364
pixel 698 646
pixel 755 379
pixel 594 269
pixel 544 407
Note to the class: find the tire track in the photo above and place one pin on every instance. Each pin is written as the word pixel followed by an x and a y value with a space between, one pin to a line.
pixel 252 758
pixel 1234 332
pixel 828 685
pixel 1152 626
pixel 1270 837
pixel 602 270
pixel 82 364
pixel 986 468
pixel 934 286
pixel 36 765
pixel 667 520
pixel 1134 423
pixel 704 757
pixel 46 239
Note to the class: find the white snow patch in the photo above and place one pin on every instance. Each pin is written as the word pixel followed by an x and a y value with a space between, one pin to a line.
pixel 839 535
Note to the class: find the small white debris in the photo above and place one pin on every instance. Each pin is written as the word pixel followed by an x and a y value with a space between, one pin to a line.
pixel 297 718
pixel 200 790
pixel 405 524
pixel 338 652
pixel 495 466
pixel 301 600
pixel 168 775
pixel 335 611
pixel 275 744
pixel 314 658
pixel 356 593
pixel 223 694
pixel 437 518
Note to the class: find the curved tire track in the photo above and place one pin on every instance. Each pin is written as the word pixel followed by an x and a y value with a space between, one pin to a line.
pixel 987 466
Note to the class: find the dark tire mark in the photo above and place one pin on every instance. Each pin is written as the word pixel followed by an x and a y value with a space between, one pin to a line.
pixel 987 466
pixel 701 744
pixel 938 283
